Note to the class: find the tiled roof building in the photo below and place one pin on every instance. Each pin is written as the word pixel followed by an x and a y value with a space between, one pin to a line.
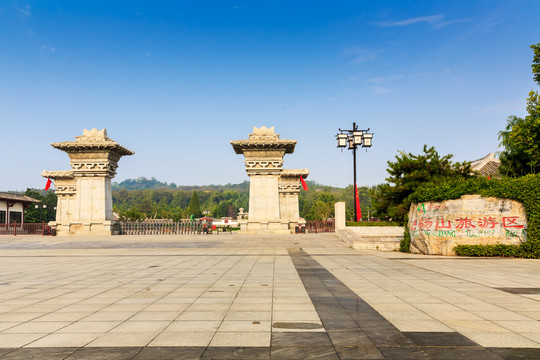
pixel 487 166
pixel 12 207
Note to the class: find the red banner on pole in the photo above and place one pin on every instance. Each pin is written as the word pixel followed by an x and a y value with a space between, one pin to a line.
pixel 358 209
pixel 48 185
pixel 304 185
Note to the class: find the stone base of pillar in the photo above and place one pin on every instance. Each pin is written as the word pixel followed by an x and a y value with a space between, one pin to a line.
pixel 265 227
pixel 105 228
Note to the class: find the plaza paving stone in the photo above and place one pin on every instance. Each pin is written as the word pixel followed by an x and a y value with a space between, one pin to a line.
pixel 230 296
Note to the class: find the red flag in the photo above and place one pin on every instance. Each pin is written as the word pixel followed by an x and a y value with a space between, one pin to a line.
pixel 304 185
pixel 48 185
pixel 489 177
pixel 358 209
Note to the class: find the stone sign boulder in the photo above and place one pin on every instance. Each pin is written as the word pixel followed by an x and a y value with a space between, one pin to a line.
pixel 437 227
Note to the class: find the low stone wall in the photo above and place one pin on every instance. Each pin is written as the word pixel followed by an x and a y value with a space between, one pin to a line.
pixel 383 238
pixel 437 227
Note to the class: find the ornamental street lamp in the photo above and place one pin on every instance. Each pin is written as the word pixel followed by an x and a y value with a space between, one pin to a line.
pixel 42 206
pixel 351 139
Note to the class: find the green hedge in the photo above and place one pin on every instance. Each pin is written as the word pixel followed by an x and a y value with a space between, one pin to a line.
pixel 372 223
pixel 525 189
pixel 405 243
pixel 488 250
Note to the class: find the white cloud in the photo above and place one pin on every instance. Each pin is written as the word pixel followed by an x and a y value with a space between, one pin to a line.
pixel 45 48
pixel 25 11
pixel 436 21
pixel 384 79
pixel 380 90
pixel 429 19
pixel 361 55
pixel 500 110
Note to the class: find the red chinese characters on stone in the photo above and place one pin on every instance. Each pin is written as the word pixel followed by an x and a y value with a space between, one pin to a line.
pixel 425 224
pixel 442 225
pixel 510 222
pixel 464 223
pixel 487 222
pixel 414 224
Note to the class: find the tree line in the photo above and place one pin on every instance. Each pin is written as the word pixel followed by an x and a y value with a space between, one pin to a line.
pixel 224 201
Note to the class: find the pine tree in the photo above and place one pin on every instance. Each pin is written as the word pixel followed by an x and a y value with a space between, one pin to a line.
pixel 391 201
pixel 194 207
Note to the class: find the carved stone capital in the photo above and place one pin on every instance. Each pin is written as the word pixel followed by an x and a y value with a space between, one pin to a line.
pixel 66 190
pixel 94 168
pixel 289 188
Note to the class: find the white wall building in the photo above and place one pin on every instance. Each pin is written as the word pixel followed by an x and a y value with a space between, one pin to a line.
pixel 12 207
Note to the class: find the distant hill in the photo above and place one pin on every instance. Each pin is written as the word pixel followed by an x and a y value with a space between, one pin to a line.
pixel 143 183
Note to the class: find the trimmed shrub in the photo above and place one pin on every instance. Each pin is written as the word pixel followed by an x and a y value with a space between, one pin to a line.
pixel 372 223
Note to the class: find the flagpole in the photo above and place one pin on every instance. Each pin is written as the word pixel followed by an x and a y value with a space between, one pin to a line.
pixel 354 172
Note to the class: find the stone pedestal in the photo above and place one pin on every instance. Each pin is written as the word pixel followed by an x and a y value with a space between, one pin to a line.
pixel 273 204
pixel 84 193
pixel 340 217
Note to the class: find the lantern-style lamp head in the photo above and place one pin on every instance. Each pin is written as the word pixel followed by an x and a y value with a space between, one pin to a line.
pixel 350 139
pixel 341 140
pixel 367 140
pixel 357 137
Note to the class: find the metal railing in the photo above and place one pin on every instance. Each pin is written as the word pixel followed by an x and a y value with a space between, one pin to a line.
pixel 22 229
pixel 161 228
pixel 320 226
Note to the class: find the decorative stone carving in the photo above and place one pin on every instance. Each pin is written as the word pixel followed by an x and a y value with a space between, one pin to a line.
pixel 273 199
pixel 436 228
pixel 84 193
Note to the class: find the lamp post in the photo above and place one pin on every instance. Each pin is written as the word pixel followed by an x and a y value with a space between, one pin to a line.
pixel 351 139
pixel 41 206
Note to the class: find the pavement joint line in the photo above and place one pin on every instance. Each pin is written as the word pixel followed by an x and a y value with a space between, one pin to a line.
pixel 318 280
pixel 307 267
pixel 230 305
pixel 449 288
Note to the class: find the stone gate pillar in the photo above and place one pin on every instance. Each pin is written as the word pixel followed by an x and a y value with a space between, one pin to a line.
pixel 263 153
pixel 289 188
pixel 84 193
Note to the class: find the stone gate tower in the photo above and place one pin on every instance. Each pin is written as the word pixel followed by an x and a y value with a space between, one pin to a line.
pixel 84 192
pixel 273 192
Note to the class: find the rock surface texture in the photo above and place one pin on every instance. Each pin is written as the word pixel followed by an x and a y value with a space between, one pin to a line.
pixel 437 227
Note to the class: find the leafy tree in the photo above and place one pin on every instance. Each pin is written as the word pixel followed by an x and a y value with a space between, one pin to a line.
pixel 31 214
pixel 51 200
pixel 521 137
pixel 391 201
pixel 536 62
pixel 194 207
pixel 225 200
pixel 48 198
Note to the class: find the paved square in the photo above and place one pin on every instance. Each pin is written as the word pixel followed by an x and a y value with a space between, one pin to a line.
pixel 229 296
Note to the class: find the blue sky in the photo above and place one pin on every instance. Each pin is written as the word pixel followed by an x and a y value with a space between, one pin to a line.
pixel 176 81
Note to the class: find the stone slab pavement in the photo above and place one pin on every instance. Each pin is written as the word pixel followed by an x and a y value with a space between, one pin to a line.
pixel 229 296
